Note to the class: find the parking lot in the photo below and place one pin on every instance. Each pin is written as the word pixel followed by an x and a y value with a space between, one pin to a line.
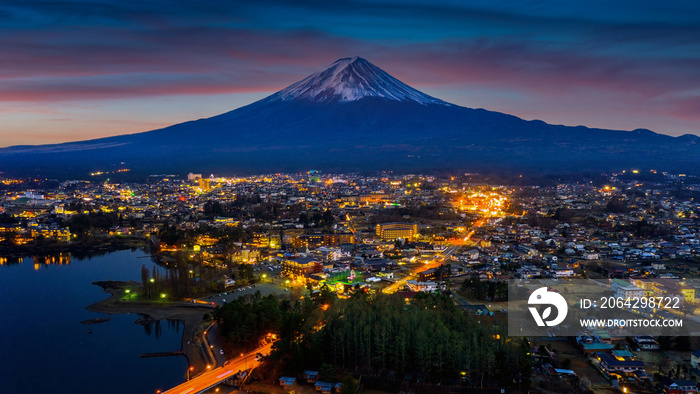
pixel 264 288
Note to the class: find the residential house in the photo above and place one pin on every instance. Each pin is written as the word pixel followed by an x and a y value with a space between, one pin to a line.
pixel 619 365
pixel 679 386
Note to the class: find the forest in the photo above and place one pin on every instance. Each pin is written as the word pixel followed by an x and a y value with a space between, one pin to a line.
pixel 426 336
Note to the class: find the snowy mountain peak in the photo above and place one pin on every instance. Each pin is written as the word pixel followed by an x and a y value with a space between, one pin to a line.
pixel 351 79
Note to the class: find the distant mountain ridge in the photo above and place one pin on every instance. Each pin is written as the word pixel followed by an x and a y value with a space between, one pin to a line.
pixel 353 116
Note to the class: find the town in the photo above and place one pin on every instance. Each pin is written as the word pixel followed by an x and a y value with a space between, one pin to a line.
pixel 460 237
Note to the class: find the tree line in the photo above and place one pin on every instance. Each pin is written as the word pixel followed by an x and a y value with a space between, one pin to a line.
pixel 425 336
pixel 475 289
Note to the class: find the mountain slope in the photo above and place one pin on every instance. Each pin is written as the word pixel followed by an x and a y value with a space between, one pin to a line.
pixel 354 116
pixel 351 79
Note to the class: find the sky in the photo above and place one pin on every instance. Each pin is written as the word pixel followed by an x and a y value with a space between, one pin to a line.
pixel 76 70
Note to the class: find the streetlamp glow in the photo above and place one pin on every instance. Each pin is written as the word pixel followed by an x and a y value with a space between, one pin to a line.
pixel 189 372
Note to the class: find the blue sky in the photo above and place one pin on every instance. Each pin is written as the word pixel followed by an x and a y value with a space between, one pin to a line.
pixel 86 69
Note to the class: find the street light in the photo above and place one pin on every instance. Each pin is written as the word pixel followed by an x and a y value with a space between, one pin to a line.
pixel 189 371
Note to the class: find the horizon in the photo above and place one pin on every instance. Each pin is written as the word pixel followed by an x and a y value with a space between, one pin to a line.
pixel 475 187
pixel 80 72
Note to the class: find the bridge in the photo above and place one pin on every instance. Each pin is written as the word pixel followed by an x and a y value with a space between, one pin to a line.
pixel 219 375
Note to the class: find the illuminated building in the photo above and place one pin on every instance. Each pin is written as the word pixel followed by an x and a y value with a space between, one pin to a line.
pixel 10 228
pixel 247 255
pixel 421 286
pixel 397 230
pixel 308 241
pixel 338 238
pixel 311 241
pixel 61 234
pixel 367 198
pixel 430 275
pixel 665 287
pixel 204 185
pixel 375 197
pixel 261 240
pixel 301 266
pixel 225 220
pixel 612 365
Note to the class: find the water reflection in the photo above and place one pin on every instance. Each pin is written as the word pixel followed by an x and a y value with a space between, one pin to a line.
pixel 65 258
pixel 59 259
pixel 155 327
pixel 39 260
pixel 10 260
pixel 57 299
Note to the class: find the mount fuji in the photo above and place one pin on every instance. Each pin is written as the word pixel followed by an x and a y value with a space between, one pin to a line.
pixel 351 79
pixel 353 116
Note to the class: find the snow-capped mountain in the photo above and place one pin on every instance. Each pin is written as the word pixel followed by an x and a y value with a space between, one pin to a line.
pixel 351 79
pixel 354 116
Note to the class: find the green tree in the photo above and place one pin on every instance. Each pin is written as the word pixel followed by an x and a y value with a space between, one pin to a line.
pixel 326 373
pixel 144 280
pixel 348 385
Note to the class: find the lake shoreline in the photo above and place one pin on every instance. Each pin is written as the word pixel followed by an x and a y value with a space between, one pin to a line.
pixel 191 315
pixel 80 248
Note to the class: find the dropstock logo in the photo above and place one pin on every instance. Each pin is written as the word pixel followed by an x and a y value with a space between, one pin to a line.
pixel 542 296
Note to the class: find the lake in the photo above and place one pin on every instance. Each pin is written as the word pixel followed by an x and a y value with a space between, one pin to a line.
pixel 45 347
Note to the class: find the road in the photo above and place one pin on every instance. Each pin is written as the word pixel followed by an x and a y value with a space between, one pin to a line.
pixel 205 347
pixel 436 262
pixel 214 377
pixel 440 259
pixel 215 352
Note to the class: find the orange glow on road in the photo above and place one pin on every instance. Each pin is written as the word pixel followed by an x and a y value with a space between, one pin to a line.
pixel 215 376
